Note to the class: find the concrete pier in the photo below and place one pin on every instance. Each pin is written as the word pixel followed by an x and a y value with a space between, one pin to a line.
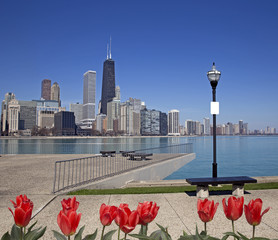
pixel 33 175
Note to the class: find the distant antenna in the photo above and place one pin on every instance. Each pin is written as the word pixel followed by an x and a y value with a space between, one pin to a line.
pixel 107 51
pixel 110 48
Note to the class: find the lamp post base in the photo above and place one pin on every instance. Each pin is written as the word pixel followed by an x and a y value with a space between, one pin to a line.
pixel 214 170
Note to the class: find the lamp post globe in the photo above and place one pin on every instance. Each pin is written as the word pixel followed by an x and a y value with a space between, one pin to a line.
pixel 213 77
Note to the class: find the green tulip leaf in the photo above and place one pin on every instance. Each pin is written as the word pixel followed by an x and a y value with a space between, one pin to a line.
pixel 15 233
pixel 91 236
pixel 58 235
pixel 225 237
pixel 140 236
pixel 160 235
pixel 228 234
pixel 35 234
pixel 187 237
pixel 242 236
pixel 6 236
pixel 108 236
pixel 184 233
pixel 78 236
pixel 211 238
pixel 30 228
pixel 197 235
pixel 261 238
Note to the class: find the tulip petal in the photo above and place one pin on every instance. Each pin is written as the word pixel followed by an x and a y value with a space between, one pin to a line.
pixel 225 207
pixel 106 219
pixel 133 218
pixel 265 211
pixel 64 223
pixel 11 211
pixel 19 217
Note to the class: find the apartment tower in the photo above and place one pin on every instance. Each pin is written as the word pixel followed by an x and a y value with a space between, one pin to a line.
pixel 173 122
pixel 46 89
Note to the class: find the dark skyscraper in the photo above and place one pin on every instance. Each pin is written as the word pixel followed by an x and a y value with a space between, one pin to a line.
pixel 46 89
pixel 108 82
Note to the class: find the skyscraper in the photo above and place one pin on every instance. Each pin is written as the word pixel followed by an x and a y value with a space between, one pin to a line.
pixel 77 109
pixel 206 123
pixel 108 82
pixel 4 114
pixel 89 95
pixel 46 89
pixel 173 122
pixel 55 93
pixel 240 123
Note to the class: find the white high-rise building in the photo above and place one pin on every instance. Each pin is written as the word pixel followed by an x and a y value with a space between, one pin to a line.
pixel 77 109
pixel 89 96
pixel 198 128
pixel 206 122
pixel 5 104
pixel 173 122
pixel 130 116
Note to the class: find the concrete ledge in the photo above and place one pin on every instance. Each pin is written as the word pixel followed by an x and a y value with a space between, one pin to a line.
pixel 153 172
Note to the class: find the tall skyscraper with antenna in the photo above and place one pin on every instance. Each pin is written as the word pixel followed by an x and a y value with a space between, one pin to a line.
pixel 108 81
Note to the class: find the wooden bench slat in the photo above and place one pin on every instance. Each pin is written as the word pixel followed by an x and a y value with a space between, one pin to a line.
pixel 221 180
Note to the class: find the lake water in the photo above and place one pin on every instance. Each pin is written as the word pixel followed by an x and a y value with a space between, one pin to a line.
pixel 236 155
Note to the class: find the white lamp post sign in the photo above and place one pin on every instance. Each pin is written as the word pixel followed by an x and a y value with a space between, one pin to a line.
pixel 214 108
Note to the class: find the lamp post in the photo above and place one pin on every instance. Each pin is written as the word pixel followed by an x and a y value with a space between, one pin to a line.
pixel 213 77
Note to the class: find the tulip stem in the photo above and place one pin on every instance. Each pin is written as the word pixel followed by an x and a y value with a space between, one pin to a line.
pixel 253 232
pixel 119 230
pixel 125 236
pixel 68 237
pixel 102 232
pixel 21 233
pixel 205 227
pixel 233 226
pixel 144 229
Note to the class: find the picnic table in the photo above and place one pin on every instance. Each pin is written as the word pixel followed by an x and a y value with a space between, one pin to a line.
pixel 143 156
pixel 108 153
pixel 126 153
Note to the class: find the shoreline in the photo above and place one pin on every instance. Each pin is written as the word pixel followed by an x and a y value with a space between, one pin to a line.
pixel 112 137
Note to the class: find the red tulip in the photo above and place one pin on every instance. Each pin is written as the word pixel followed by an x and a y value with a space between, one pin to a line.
pixel 107 214
pixel 69 204
pixel 23 210
pixel 127 220
pixel 234 209
pixel 253 211
pixel 206 209
pixel 68 222
pixel 124 207
pixel 147 212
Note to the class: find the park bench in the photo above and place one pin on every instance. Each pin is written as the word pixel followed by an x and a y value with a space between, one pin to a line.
pixel 202 190
pixel 126 153
pixel 108 153
pixel 143 156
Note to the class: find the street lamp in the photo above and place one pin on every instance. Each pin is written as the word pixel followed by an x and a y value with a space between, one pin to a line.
pixel 213 77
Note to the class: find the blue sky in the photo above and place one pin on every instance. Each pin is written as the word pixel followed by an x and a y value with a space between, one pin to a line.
pixel 162 52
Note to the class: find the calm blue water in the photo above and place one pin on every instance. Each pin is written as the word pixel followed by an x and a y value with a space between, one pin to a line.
pixel 236 155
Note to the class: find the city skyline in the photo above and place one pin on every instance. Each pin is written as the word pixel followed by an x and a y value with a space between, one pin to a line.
pixel 162 53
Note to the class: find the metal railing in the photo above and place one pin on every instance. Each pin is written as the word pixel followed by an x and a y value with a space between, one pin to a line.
pixel 75 172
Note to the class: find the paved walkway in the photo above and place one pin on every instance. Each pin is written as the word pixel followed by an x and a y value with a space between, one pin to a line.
pixel 177 211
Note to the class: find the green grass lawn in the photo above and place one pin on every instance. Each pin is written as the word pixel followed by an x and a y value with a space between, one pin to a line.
pixel 171 189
